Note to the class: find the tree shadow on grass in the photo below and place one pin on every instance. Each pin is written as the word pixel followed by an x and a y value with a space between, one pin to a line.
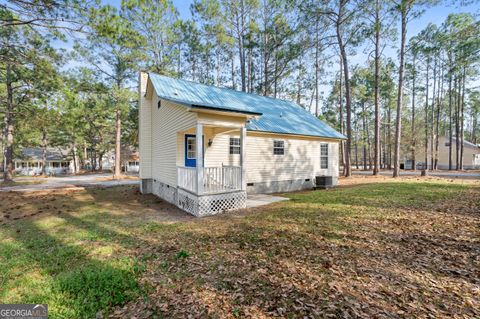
pixel 94 268
pixel 65 275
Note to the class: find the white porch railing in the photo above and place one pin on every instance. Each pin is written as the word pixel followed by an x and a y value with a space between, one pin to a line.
pixel 215 179
pixel 222 179
pixel 187 178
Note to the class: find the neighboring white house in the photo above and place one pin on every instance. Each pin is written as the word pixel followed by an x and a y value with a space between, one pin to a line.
pixel 204 148
pixel 129 160
pixel 471 155
pixel 58 161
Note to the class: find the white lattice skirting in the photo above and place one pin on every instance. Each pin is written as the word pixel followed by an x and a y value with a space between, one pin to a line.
pixel 203 205
pixel 211 204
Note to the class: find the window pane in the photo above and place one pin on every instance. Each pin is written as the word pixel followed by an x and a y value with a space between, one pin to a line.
pixel 278 147
pixel 234 145
pixel 323 156
pixel 234 141
pixel 324 149
pixel 191 148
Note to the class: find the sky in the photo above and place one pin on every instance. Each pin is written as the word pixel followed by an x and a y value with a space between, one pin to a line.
pixel 436 14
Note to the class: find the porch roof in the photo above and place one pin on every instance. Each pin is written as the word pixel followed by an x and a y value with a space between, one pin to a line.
pixel 274 115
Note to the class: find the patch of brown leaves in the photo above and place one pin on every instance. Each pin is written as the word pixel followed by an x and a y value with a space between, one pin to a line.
pixel 417 263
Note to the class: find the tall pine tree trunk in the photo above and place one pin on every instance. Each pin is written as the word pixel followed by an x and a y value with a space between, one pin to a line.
pixel 75 158
pixel 450 135
pixel 317 68
pixel 462 110
pixel 348 104
pixel 232 61
pixel 340 106
pixel 241 46
pixel 398 126
pixel 437 116
pixel 9 127
pixel 376 167
pixel 365 134
pixel 414 133
pixel 44 151
pixel 389 138
pixel 432 119
pixel 118 144
pixel 425 167
pixel 457 122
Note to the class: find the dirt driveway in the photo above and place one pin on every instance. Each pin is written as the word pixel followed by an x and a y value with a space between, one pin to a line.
pixel 70 182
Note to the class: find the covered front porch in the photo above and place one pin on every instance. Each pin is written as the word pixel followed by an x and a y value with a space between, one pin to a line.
pixel 211 175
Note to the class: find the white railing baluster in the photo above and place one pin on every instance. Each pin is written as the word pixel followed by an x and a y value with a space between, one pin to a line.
pixel 216 179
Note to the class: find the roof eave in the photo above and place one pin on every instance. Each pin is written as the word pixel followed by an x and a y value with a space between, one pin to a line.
pixel 196 106
pixel 297 134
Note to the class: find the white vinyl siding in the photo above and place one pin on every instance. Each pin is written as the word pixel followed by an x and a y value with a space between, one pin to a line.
pixel 145 129
pixel 300 161
pixel 167 123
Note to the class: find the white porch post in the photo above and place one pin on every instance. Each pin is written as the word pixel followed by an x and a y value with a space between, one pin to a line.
pixel 199 160
pixel 243 137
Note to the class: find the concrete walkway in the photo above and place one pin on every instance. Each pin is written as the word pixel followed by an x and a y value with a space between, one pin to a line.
pixel 256 200
pixel 69 182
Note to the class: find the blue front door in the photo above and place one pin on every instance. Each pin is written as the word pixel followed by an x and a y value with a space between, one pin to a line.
pixel 191 150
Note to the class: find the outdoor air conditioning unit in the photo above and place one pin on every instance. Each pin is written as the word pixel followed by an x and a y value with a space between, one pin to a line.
pixel 323 182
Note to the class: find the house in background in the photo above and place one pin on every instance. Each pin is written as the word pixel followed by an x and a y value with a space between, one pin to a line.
pixel 131 163
pixel 471 155
pixel 30 161
pixel 204 148
pixel 129 160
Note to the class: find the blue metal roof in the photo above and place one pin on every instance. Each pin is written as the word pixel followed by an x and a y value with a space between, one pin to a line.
pixel 275 115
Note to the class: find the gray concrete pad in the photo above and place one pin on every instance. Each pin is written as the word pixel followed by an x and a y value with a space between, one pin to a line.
pixel 256 200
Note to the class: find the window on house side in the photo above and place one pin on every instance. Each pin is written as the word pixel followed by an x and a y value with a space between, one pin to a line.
pixel 191 148
pixel 323 156
pixel 234 145
pixel 278 147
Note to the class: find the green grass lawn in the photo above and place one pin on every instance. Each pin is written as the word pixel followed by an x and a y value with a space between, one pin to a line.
pixel 394 248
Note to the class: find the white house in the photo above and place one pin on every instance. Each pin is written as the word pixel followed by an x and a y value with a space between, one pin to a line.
pixel 204 148
pixel 58 161
pixel 471 155
pixel 129 160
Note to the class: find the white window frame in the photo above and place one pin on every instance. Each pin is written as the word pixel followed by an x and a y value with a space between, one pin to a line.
pixel 234 146
pixel 278 147
pixel 323 155
pixel 191 153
